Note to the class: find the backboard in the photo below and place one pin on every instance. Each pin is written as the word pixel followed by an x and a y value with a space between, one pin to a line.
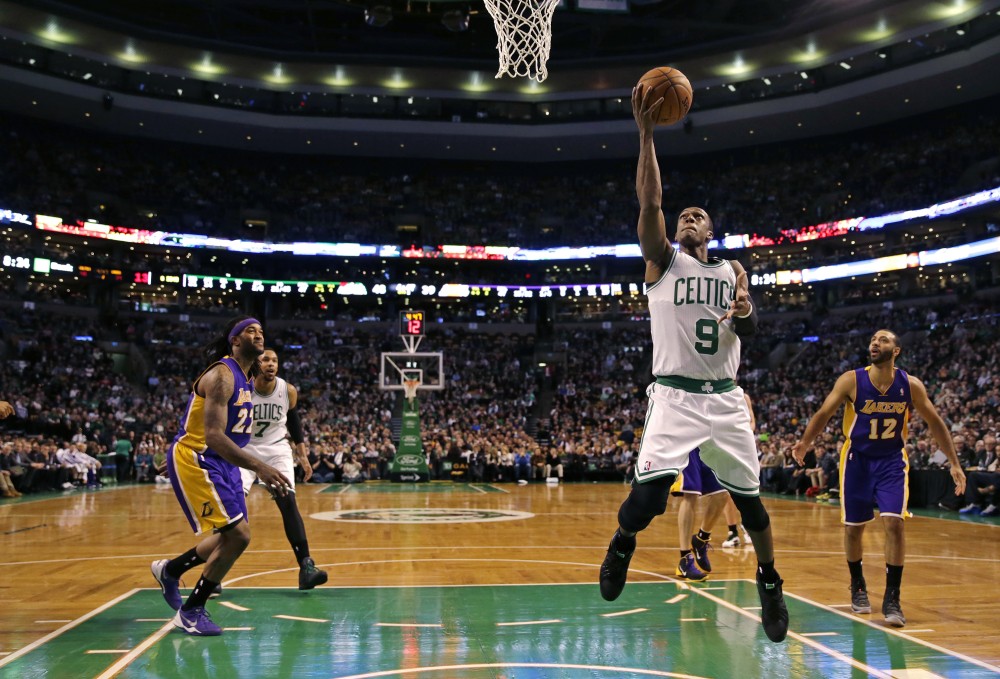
pixel 395 366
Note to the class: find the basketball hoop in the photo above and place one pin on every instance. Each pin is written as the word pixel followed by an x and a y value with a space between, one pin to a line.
pixel 410 389
pixel 524 36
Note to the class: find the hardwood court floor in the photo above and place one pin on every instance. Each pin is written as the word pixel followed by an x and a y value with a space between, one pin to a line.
pixel 457 580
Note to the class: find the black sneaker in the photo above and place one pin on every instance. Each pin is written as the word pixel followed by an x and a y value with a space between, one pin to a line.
pixel 701 554
pixel 773 612
pixel 859 597
pixel 890 609
pixel 216 592
pixel 309 575
pixel 614 570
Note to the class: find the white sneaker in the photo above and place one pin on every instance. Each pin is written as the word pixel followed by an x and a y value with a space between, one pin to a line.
pixel 732 541
pixel 68 486
pixel 746 539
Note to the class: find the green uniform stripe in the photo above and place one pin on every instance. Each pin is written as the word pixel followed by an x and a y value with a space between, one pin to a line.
pixel 696 386
pixel 649 476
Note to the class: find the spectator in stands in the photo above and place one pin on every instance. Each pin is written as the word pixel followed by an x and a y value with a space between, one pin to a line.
pixel 770 469
pixel 6 482
pixel 352 471
pixel 522 466
pixel 983 482
pixel 553 463
pixel 124 452
pixel 323 465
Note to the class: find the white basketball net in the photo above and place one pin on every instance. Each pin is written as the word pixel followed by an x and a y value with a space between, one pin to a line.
pixel 524 33
pixel 410 388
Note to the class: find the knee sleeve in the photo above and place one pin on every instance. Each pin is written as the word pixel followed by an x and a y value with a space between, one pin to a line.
pixel 647 500
pixel 752 513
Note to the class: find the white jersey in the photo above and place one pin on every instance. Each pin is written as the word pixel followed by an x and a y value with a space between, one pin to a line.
pixel 270 420
pixel 685 306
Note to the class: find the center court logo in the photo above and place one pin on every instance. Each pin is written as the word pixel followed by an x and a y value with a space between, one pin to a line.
pixel 424 515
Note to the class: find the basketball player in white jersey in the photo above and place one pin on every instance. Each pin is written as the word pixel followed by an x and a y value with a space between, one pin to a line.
pixel 275 419
pixel 698 307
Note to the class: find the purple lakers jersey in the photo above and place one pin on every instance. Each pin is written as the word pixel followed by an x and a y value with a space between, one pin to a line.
pixel 239 416
pixel 876 422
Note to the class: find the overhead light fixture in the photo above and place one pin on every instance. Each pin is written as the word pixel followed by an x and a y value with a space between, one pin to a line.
pixel 456 20
pixel 378 15
pixel 846 66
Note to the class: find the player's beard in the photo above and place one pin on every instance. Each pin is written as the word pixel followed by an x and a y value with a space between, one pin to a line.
pixel 884 356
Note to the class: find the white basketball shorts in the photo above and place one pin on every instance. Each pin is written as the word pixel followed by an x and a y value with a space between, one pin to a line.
pixel 280 458
pixel 678 421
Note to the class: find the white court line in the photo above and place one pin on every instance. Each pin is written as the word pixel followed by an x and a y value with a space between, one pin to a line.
pixel 65 628
pixel 127 660
pixel 96 651
pixel 674 600
pixel 804 640
pixel 237 629
pixel 408 624
pixel 430 548
pixel 478 490
pixel 5 653
pixel 589 565
pixel 153 619
pixel 295 617
pixel 820 634
pixel 693 619
pixel 917 631
pixel 612 670
pixel 709 589
pixel 901 635
pixel 235 607
pixel 528 622
pixel 502 490
pixel 42 622
pixel 620 613
pixel 346 488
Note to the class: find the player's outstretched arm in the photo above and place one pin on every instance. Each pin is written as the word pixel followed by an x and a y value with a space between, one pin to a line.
pixel 939 430
pixel 843 390
pixel 648 185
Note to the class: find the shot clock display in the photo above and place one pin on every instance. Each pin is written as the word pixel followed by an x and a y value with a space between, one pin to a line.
pixel 411 323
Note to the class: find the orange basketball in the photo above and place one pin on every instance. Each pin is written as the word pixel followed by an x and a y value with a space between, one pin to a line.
pixel 675 89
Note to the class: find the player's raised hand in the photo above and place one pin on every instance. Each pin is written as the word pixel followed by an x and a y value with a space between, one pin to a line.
pixel 958 476
pixel 740 306
pixel 644 108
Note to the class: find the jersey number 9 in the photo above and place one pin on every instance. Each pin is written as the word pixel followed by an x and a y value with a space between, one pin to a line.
pixel 707 332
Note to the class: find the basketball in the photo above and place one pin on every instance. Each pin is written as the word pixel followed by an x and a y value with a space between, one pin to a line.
pixel 675 89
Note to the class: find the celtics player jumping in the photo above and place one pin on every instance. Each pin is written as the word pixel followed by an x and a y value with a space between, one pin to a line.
pixel 275 419
pixel 699 307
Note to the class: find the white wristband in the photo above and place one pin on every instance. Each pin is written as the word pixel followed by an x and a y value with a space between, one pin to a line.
pixel 747 314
